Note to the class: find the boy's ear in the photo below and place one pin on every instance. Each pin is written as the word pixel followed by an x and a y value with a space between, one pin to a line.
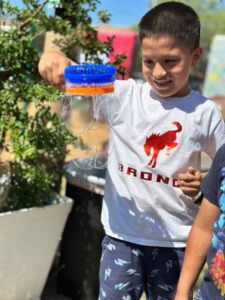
pixel 196 56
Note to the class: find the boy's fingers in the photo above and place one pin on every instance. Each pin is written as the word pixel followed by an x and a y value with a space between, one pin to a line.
pixel 191 175
pixel 58 77
pixel 191 192
pixel 195 172
pixel 51 67
pixel 191 170
pixel 186 177
pixel 191 184
pixel 72 63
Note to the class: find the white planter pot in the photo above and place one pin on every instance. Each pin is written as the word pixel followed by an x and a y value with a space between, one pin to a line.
pixel 28 242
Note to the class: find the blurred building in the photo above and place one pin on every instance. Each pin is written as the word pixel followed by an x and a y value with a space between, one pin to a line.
pixel 125 42
pixel 214 82
pixel 5 24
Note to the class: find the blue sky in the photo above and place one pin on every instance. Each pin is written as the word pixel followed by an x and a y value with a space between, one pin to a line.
pixel 124 13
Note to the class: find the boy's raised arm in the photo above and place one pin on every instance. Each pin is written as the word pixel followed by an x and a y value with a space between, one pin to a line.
pixel 51 67
pixel 197 246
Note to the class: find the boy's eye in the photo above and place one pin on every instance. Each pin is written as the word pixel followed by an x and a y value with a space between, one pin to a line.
pixel 148 61
pixel 170 61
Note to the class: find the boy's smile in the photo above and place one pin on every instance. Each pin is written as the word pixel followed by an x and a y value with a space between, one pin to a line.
pixel 166 65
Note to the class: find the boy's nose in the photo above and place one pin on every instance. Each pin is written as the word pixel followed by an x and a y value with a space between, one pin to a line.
pixel 158 71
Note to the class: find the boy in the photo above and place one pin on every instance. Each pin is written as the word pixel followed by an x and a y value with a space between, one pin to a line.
pixel 202 243
pixel 157 133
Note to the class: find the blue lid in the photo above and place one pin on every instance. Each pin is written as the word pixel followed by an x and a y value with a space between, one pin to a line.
pixel 90 74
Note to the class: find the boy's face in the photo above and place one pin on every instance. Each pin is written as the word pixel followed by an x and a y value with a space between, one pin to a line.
pixel 166 65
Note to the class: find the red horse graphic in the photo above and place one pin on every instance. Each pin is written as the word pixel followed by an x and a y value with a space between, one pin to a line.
pixel 159 142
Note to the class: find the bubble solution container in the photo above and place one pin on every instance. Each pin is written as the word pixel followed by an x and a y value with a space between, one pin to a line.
pixel 89 79
pixel 86 86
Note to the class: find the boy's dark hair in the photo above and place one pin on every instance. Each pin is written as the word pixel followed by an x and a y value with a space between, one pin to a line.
pixel 174 19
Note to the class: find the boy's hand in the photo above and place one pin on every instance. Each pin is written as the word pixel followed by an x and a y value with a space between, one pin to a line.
pixel 51 67
pixel 189 182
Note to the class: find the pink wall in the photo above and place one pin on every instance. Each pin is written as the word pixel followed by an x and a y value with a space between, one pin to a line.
pixel 125 42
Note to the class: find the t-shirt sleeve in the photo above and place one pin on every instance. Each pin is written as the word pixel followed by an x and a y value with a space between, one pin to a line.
pixel 215 136
pixel 210 185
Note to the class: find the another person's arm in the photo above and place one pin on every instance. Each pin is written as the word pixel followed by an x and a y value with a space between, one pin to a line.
pixel 197 246
pixel 51 67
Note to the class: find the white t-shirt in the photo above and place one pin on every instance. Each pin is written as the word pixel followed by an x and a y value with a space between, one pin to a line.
pixel 142 203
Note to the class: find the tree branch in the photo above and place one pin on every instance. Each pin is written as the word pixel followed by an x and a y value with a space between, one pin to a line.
pixel 24 24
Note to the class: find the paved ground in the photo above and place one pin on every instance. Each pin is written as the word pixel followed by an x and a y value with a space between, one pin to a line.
pixel 51 294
